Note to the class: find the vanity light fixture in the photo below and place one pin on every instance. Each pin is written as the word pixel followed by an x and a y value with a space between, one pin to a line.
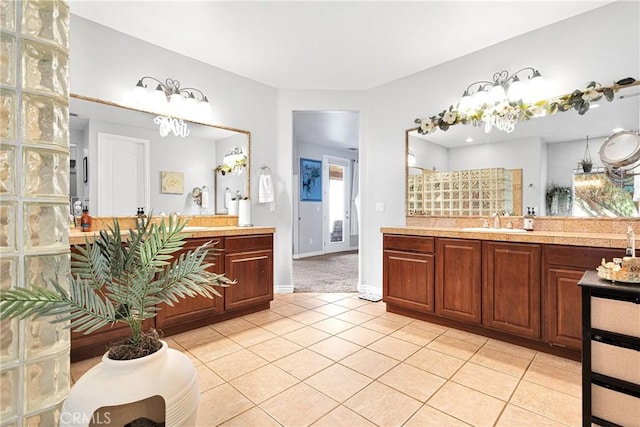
pixel 504 87
pixel 495 98
pixel 171 101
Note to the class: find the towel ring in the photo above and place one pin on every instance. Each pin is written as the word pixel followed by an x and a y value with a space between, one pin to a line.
pixel 264 170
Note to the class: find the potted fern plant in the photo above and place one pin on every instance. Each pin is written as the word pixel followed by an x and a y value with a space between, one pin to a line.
pixel 120 278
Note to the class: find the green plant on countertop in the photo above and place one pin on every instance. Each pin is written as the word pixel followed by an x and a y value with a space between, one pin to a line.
pixel 118 279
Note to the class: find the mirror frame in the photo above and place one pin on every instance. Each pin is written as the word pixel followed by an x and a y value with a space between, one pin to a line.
pixel 215 173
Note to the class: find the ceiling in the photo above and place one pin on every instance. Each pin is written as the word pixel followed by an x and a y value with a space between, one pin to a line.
pixel 330 45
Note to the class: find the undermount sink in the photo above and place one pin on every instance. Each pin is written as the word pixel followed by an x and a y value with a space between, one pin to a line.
pixel 494 230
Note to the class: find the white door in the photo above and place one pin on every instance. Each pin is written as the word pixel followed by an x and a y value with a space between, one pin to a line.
pixel 336 182
pixel 122 175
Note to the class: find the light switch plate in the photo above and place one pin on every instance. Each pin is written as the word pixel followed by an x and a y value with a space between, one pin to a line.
pixel 379 206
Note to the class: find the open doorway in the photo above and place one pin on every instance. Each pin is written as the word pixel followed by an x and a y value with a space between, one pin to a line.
pixel 326 194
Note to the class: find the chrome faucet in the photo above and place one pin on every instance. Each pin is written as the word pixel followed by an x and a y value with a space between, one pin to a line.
pixel 496 220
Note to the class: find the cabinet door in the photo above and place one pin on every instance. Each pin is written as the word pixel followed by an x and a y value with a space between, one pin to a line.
pixel 408 280
pixel 563 307
pixel 197 309
pixel 253 272
pixel 511 288
pixel 458 275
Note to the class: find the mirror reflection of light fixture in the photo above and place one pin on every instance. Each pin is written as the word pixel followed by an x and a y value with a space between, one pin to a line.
pixel 233 162
pixel 170 100
pixel 620 154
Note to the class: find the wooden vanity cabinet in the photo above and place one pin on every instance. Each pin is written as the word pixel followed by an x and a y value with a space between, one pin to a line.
pixel 190 313
pixel 249 261
pixel 408 272
pixel 511 288
pixel 563 267
pixel 458 279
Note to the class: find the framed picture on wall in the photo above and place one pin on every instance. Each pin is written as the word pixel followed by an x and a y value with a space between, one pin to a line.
pixel 310 180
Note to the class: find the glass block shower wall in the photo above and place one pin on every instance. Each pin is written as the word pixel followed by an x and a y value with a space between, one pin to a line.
pixel 34 194
pixel 465 192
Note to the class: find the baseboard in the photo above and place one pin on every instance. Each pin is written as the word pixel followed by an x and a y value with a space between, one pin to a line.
pixel 307 254
pixel 283 289
pixel 371 290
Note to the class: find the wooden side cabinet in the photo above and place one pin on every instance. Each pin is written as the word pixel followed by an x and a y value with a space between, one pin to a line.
pixel 563 267
pixel 249 261
pixel 408 272
pixel 511 288
pixel 610 352
pixel 458 279
pixel 197 311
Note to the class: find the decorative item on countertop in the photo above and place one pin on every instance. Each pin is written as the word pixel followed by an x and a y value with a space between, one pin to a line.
pixel 86 220
pixel 626 270
pixel 204 201
pixel 631 243
pixel 528 219
pixel 244 213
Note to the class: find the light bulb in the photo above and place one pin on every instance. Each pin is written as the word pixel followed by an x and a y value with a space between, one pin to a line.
pixel 516 90
pixel 465 104
pixel 497 93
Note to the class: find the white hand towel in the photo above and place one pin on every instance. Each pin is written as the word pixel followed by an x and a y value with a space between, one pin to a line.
pixel 265 189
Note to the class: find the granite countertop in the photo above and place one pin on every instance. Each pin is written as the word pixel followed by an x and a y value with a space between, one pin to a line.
pixel 77 237
pixel 605 240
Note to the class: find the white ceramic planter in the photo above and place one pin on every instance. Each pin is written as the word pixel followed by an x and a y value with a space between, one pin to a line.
pixel 118 386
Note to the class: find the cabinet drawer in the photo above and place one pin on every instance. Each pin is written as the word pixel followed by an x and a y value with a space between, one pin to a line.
pixel 248 243
pixel 616 407
pixel 616 362
pixel 409 243
pixel 576 256
pixel 615 316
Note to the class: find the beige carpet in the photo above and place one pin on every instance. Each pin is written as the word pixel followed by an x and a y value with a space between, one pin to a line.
pixel 337 272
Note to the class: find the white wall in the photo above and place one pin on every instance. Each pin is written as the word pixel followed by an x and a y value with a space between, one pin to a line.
pixel 525 154
pixel 563 158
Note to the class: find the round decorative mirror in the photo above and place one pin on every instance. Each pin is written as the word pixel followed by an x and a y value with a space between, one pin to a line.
pixel 621 150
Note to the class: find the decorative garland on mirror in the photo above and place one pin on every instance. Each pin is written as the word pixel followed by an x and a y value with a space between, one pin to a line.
pixel 504 115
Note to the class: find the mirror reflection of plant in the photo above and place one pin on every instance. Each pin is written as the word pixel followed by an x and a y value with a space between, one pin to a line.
pixel 580 100
pixel 560 195
pixel 602 198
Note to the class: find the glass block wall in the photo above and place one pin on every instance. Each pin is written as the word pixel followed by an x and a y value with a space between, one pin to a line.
pixel 468 192
pixel 34 193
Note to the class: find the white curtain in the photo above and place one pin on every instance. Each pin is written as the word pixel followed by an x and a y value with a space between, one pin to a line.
pixel 355 199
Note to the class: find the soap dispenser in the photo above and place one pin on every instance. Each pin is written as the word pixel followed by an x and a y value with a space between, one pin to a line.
pixel 528 219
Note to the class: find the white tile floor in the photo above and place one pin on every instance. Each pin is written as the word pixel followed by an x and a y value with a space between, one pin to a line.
pixel 336 360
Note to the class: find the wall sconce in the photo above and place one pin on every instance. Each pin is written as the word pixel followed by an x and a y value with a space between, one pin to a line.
pixel 170 100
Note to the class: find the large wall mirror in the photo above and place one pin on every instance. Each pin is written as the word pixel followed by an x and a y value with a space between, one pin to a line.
pixel 120 162
pixel 546 151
